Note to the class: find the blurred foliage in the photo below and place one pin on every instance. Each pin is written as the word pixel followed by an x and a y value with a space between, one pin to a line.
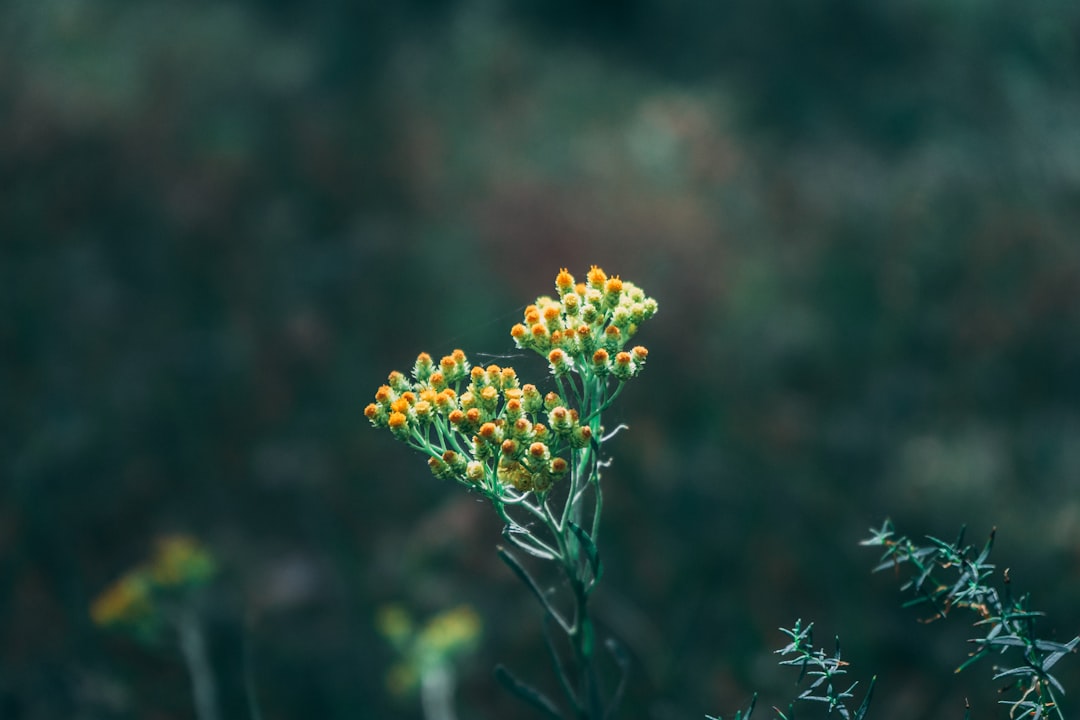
pixel 220 221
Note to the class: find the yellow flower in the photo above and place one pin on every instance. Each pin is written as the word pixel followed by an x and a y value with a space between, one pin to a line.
pixel 180 560
pixel 451 632
pixel 564 282
pixel 394 624
pixel 596 277
pixel 126 600
pixel 398 423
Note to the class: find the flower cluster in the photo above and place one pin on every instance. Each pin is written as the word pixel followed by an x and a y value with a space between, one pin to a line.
pixel 490 433
pixel 437 645
pixel 482 427
pixel 588 325
pixel 179 562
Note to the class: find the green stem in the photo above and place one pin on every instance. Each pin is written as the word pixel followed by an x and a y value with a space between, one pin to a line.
pixel 437 693
pixel 249 673
pixel 571 547
pixel 193 648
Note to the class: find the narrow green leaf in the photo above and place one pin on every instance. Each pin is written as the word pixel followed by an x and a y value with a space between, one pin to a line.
pixel 512 536
pixel 1020 671
pixel 865 706
pixel 1010 640
pixel 560 669
pixel 1047 646
pixel 987 548
pixel 973 659
pixel 1054 681
pixel 526 693
pixel 749 709
pixel 622 660
pixel 591 553
pixel 523 574
pixel 1052 659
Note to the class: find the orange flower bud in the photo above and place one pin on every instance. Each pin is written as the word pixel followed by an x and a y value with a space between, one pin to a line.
pixel 596 277
pixel 557 357
pixel 422 368
pixel 560 420
pixel 564 281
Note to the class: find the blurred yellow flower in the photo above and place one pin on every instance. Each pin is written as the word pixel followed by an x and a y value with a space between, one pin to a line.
pixel 451 631
pixel 125 601
pixel 181 560
pixel 394 624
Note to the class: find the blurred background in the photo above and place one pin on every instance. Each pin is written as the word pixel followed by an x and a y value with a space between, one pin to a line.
pixel 222 223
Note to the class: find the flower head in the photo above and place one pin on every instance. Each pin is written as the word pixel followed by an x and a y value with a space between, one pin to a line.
pixel 612 291
pixel 423 368
pixel 564 282
pixel 560 362
pixel 488 430
pixel 181 560
pixel 596 277
pixel 125 601
pixel 398 423
pixel 624 367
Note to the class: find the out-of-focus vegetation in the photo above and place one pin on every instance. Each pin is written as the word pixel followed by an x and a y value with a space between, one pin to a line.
pixel 221 221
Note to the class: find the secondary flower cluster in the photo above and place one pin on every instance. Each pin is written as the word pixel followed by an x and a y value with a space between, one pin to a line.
pixel 588 325
pixel 434 647
pixel 482 427
pixel 490 434
pixel 179 562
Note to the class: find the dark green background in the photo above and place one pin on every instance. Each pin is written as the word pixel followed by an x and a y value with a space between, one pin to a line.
pixel 223 223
